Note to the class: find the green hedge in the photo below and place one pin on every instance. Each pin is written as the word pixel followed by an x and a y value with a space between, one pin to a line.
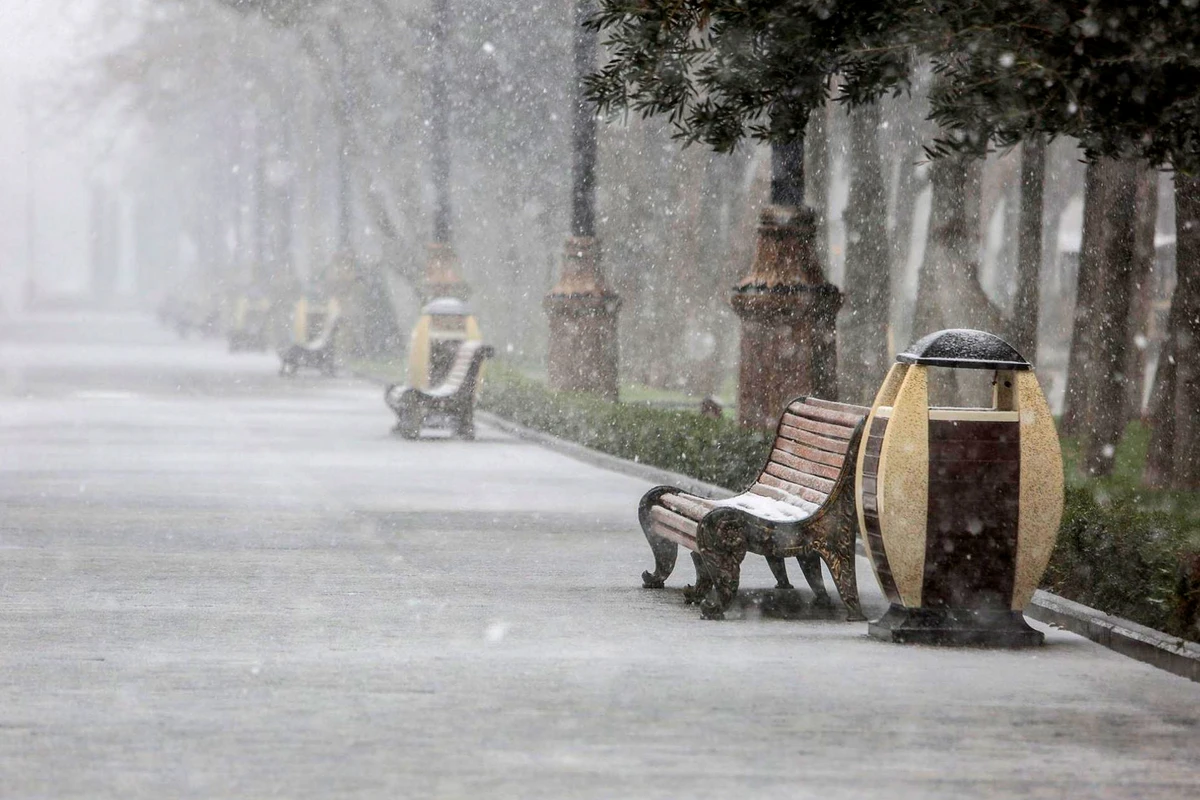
pixel 712 450
pixel 1114 553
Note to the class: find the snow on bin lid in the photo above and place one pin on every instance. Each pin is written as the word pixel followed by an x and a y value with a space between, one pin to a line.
pixel 446 307
pixel 962 348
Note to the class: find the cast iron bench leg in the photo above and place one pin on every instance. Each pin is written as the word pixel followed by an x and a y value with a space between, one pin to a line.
pixel 722 543
pixel 409 418
pixel 844 577
pixel 810 565
pixel 696 594
pixel 665 552
pixel 779 570
pixel 466 422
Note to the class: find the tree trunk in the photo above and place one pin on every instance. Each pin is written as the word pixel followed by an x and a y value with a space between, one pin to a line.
pixel 816 170
pixel 909 185
pixel 905 126
pixel 864 338
pixel 1142 286
pixel 1029 248
pixel 1186 467
pixel 342 113
pixel 1107 393
pixel 1086 298
pixel 948 293
pixel 1160 460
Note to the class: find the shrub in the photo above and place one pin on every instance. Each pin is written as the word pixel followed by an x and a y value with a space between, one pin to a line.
pixel 1118 557
pixel 712 450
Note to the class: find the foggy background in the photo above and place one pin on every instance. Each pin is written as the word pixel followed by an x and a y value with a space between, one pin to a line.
pixel 151 148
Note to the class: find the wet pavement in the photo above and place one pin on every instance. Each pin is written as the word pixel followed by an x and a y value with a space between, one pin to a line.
pixel 215 582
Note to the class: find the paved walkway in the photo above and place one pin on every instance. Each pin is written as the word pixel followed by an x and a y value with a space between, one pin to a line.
pixel 218 583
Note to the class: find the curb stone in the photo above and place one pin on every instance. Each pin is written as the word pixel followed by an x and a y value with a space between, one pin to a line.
pixel 604 460
pixel 1128 638
pixel 1123 636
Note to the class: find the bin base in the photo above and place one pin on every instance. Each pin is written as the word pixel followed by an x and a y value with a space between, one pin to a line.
pixel 955 627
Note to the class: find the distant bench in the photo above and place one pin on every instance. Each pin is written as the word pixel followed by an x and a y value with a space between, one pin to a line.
pixel 318 354
pixel 454 397
pixel 801 505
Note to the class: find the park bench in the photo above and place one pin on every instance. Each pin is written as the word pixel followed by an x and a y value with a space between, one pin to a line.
pixel 801 505
pixel 317 353
pixel 453 399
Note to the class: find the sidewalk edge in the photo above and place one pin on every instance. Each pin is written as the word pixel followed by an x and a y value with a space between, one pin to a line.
pixel 604 460
pixel 1120 635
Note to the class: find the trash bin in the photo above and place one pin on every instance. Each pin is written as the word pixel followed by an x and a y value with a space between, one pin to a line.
pixel 445 323
pixel 959 508
pixel 312 316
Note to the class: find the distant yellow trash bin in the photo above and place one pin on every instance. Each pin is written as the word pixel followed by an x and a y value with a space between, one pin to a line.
pixel 310 318
pixel 444 324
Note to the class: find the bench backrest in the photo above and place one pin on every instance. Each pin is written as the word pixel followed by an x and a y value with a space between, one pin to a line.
pixel 470 352
pixel 811 452
pixel 329 329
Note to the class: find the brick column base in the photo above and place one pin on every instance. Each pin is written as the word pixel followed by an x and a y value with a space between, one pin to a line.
pixel 583 352
pixel 789 320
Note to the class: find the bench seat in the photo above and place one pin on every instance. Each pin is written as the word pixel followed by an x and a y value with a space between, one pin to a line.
pixel 320 353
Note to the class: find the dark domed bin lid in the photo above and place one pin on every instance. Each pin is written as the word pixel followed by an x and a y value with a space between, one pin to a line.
pixel 962 348
pixel 446 307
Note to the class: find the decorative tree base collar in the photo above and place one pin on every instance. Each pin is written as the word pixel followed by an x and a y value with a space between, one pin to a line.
pixel 583 324
pixel 785 254
pixel 442 276
pixel 789 319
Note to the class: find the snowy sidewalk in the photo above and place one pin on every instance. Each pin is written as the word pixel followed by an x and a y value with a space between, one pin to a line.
pixel 217 583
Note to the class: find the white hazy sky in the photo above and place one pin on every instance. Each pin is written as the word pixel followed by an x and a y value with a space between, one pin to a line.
pixel 41 41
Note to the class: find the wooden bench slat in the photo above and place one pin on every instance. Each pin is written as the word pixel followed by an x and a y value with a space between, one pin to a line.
pixel 833 405
pixel 667 522
pixel 799 451
pixel 817 426
pixel 798 478
pixel 675 536
pixel 458 369
pixel 793 426
pixel 689 506
pixel 691 498
pixel 664 531
pixel 804 438
pixel 789 488
pixel 804 466
pixel 673 520
pixel 829 415
pixel 785 496
pixel 849 408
